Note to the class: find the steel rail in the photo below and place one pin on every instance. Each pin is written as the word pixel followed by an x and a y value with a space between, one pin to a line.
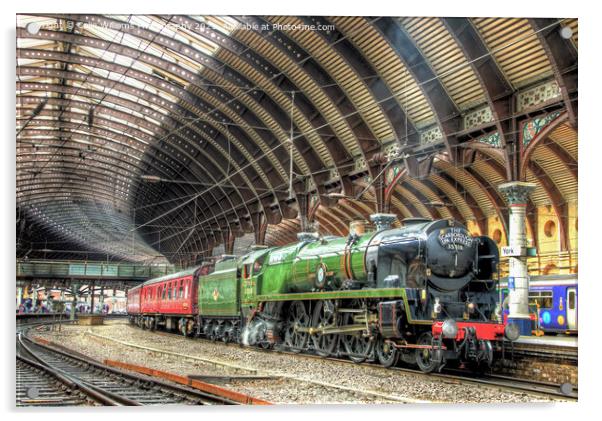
pixel 113 392
pixel 548 389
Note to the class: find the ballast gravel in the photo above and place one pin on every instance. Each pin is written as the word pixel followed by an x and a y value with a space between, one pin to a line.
pixel 290 378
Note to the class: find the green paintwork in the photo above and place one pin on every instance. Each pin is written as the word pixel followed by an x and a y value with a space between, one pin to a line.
pixel 218 291
pixel 293 268
pixel 333 295
pixel 288 273
pixel 249 283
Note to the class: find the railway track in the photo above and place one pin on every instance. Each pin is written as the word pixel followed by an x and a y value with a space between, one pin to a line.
pixel 103 384
pixel 36 385
pixel 547 389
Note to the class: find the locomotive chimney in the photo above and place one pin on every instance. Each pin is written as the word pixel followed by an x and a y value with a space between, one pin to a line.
pixel 383 221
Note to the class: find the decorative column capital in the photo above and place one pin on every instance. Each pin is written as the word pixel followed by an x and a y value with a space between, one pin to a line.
pixel 383 221
pixel 516 192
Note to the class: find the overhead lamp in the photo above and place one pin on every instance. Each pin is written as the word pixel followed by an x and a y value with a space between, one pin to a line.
pixel 566 32
pixel 33 28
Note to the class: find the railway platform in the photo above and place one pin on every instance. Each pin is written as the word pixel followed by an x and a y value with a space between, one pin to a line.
pixel 553 341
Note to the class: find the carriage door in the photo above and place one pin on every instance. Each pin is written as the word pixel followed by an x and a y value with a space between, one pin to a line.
pixel 571 309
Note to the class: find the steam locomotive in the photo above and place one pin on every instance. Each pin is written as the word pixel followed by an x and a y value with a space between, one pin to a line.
pixel 424 294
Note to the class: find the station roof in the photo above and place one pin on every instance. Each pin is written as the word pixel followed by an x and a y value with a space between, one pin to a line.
pixel 164 137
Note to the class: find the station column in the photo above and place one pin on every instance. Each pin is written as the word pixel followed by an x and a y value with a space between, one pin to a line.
pixel 34 298
pixel 516 194
pixel 75 290
pixel 19 296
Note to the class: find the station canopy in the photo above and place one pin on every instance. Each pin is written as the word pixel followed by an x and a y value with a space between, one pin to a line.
pixel 155 138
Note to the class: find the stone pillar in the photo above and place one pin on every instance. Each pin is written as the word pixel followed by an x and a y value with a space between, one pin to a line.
pixel 19 296
pixel 516 194
pixel 383 221
pixel 75 289
pixel 101 298
pixel 91 292
pixel 34 298
pixel 47 291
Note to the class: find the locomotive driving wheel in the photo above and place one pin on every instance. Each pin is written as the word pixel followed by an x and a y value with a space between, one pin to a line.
pixel 425 357
pixel 357 345
pixel 324 316
pixel 297 317
pixel 387 354
pixel 211 331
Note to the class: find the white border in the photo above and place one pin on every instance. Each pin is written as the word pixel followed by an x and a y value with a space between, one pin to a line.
pixel 590 76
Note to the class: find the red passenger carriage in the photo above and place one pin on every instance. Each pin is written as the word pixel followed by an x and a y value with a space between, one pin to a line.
pixel 133 303
pixel 168 301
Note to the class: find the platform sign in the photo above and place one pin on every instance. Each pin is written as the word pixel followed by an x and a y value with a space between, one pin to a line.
pixel 512 251
pixel 511 283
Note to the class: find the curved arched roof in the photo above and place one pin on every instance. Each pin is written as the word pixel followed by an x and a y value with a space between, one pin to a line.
pixel 151 137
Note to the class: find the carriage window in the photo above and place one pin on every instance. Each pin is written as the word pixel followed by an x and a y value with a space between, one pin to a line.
pixel 169 292
pixel 186 290
pixel 182 289
pixel 571 300
pixel 542 299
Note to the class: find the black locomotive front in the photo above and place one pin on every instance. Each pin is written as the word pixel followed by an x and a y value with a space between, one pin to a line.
pixel 449 277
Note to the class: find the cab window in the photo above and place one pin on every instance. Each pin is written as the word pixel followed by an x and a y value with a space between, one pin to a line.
pixel 258 265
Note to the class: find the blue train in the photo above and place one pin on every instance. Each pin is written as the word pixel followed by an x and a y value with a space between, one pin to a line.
pixel 552 303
